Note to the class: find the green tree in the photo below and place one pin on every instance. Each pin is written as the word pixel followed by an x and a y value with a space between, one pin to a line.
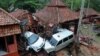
pixel 30 4
pixel 10 5
pixel 95 4
pixel 5 4
pixel 75 4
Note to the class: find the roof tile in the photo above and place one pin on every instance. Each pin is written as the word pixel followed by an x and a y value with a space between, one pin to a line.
pixel 6 19
pixel 55 14
pixel 19 14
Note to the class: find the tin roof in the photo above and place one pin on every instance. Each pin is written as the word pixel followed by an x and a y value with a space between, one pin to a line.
pixel 6 19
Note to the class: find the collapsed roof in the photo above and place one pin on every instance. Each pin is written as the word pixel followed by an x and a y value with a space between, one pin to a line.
pixel 19 14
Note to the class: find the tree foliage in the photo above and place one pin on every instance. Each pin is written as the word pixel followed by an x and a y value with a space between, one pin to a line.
pixel 38 4
pixel 95 4
pixel 75 4
pixel 33 3
pixel 5 4
pixel 23 4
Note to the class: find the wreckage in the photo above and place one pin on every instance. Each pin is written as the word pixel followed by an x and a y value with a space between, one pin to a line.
pixel 58 40
pixel 50 29
pixel 35 42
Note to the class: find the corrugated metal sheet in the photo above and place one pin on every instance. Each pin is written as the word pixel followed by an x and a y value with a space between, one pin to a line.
pixel 6 19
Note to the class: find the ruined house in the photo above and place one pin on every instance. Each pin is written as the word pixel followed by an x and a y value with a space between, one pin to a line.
pixel 89 15
pixel 9 28
pixel 89 12
pixel 97 20
pixel 57 13
pixel 26 19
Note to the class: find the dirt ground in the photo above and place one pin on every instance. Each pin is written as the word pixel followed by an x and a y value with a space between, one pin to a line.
pixel 92 50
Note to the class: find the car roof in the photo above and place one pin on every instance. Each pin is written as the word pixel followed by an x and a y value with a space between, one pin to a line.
pixel 63 34
pixel 28 34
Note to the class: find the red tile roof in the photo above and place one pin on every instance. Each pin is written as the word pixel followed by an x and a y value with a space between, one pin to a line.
pixel 90 11
pixel 6 19
pixel 19 13
pixel 54 14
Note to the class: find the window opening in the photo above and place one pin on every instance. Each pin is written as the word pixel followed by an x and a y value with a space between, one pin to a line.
pixel 59 42
pixel 10 40
pixel 70 36
pixel 65 39
pixel 3 49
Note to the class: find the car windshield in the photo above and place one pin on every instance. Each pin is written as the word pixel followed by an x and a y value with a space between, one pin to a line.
pixel 53 41
pixel 32 39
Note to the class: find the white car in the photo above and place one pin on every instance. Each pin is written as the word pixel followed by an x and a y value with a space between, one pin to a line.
pixel 35 42
pixel 59 40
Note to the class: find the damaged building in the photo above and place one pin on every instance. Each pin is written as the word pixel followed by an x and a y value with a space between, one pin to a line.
pixel 9 28
pixel 28 23
pixel 56 13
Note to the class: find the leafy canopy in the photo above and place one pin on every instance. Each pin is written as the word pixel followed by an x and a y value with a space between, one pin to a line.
pixel 10 5
pixel 23 4
pixel 75 4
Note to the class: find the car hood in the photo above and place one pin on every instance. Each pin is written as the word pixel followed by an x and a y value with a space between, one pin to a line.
pixel 39 43
pixel 48 47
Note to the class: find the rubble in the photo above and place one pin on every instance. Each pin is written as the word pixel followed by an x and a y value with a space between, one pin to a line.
pixel 46 23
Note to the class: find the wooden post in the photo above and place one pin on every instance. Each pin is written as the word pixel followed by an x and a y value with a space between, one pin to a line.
pixel 80 18
pixel 77 44
pixel 15 42
pixel 6 43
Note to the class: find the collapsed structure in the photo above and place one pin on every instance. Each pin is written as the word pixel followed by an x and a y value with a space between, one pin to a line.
pixel 28 23
pixel 56 14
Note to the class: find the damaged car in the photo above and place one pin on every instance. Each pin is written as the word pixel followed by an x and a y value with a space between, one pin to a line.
pixel 35 42
pixel 59 40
